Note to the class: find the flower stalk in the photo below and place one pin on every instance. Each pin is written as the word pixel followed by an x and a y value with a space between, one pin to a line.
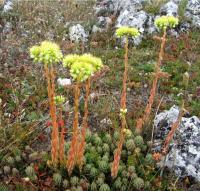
pixel 82 136
pixel 71 160
pixel 162 23
pixel 49 53
pixel 123 32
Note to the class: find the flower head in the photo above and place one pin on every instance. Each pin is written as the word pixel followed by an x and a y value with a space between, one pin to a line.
pixel 127 31
pixel 81 71
pixel 165 22
pixel 82 66
pixel 47 52
pixel 94 61
pixel 70 59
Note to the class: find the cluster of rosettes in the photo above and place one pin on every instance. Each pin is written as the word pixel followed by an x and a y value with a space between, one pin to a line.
pixel 47 53
pixel 82 66
pixel 127 32
pixel 165 22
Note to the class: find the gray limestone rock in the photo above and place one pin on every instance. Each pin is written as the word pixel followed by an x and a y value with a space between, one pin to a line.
pixel 183 156
pixel 78 34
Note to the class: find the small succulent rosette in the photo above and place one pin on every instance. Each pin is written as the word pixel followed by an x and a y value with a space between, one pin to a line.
pixel 166 22
pixel 48 53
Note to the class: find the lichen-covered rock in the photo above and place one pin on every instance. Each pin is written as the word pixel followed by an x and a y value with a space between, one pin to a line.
pixel 8 5
pixel 193 12
pixel 170 8
pixel 78 34
pixel 184 152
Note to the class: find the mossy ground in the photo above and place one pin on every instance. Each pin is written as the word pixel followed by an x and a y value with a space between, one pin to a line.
pixel 24 107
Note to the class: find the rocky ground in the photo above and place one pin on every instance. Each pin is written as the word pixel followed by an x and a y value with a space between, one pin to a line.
pixel 23 91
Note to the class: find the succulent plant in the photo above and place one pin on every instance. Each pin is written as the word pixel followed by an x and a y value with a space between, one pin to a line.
pixel 123 188
pixel 124 174
pixel 4 188
pixel 84 183
pixel 131 169
pixel 18 158
pixel 149 158
pixel 24 156
pixel 121 168
pixel 124 154
pixel 33 156
pixel 88 147
pixel 99 181
pixel 104 187
pixel 102 175
pixel 97 141
pixel 137 151
pixel 144 148
pixel 15 172
pixel 30 172
pixel 65 183
pixel 6 170
pixel 128 133
pixel 116 135
pixel 125 181
pixel 79 188
pixel 138 140
pixel 74 181
pixel 138 183
pixel 105 158
pixel 73 188
pixel 130 145
pixel 147 185
pixel 118 183
pixel 88 135
pixel 99 150
pixel 93 172
pixel 28 148
pixel 93 186
pixel 57 179
pixel 10 160
pixel 103 166
pixel 133 175
pixel 106 147
pixel 107 138
pixel 93 149
pixel 112 146
pixel 87 168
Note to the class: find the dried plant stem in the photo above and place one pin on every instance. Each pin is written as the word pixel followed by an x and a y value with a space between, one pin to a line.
pixel 49 72
pixel 74 142
pixel 62 137
pixel 117 154
pixel 157 76
pixel 173 129
pixel 82 142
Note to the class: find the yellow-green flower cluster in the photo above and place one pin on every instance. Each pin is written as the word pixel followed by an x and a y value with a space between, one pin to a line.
pixel 59 100
pixel 165 22
pixel 127 32
pixel 82 66
pixel 123 112
pixel 47 53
